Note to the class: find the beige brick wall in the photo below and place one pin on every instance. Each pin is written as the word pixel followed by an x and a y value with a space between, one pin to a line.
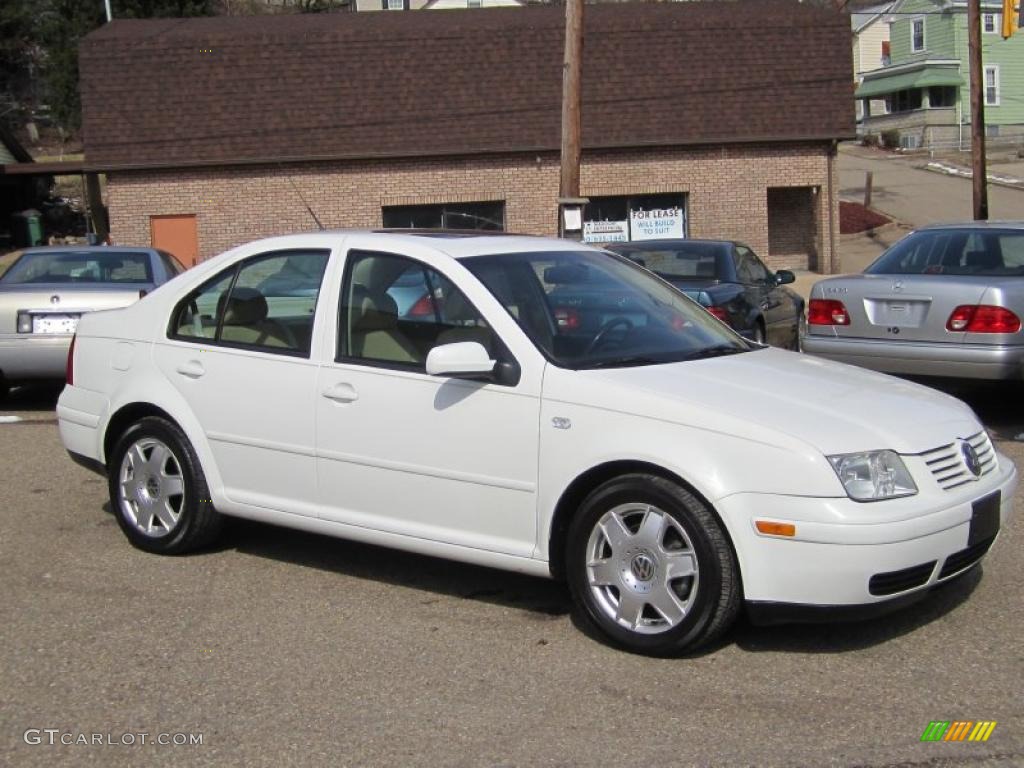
pixel 726 189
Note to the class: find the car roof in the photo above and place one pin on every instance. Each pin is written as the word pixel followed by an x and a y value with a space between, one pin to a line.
pixel 975 225
pixel 88 249
pixel 670 242
pixel 457 244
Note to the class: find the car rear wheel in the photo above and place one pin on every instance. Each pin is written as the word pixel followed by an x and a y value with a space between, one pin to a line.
pixel 158 490
pixel 650 567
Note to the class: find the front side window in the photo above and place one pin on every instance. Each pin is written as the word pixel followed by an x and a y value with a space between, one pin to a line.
pixel 917 35
pixel 749 268
pixel 74 267
pixel 589 309
pixel 266 302
pixel 394 310
pixel 954 252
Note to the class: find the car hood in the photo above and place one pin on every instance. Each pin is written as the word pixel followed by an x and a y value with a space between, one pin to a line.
pixel 775 396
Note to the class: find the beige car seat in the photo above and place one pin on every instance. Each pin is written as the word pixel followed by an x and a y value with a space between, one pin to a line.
pixel 245 320
pixel 374 329
pixel 458 310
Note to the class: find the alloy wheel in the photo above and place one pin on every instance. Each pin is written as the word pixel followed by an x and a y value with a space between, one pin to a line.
pixel 152 489
pixel 642 570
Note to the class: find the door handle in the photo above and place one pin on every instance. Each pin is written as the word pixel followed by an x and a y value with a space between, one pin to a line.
pixel 341 393
pixel 193 369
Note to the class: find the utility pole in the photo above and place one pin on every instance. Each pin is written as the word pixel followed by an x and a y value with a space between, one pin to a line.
pixel 570 204
pixel 978 165
pixel 109 14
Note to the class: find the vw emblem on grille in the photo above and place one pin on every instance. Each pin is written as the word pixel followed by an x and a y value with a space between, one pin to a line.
pixel 55 299
pixel 971 458
pixel 642 567
pixel 897 287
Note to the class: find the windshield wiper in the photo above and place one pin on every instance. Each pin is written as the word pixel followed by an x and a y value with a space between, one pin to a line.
pixel 719 350
pixel 623 362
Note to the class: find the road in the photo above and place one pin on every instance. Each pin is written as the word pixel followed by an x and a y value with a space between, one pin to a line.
pixel 914 196
pixel 283 648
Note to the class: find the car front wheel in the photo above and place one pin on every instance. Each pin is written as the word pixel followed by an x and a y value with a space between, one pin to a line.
pixel 158 490
pixel 650 567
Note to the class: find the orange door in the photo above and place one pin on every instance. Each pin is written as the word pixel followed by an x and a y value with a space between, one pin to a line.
pixel 178 235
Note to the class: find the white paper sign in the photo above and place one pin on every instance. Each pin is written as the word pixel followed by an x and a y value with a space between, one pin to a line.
pixel 656 224
pixel 606 232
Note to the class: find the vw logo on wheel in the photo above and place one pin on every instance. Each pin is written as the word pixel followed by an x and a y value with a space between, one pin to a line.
pixel 642 567
pixel 971 458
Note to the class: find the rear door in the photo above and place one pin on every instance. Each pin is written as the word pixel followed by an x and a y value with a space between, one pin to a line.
pixel 238 348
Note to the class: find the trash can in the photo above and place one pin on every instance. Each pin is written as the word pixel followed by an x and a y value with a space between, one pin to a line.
pixel 27 228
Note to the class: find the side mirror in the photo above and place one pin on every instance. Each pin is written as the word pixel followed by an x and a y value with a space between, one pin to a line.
pixel 784 276
pixel 463 359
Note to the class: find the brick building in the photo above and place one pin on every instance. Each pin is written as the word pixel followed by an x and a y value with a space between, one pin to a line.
pixel 213 132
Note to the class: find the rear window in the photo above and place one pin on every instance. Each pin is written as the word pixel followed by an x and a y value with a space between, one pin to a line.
pixel 955 252
pixel 74 267
pixel 691 261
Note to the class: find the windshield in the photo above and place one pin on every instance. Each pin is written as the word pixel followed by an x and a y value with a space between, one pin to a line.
pixel 589 309
pixel 987 251
pixel 76 267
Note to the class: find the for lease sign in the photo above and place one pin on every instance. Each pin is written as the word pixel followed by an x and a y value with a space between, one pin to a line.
pixel 656 223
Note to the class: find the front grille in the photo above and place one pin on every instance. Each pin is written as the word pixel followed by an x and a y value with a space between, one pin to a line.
pixel 899 581
pixel 947 466
pixel 965 558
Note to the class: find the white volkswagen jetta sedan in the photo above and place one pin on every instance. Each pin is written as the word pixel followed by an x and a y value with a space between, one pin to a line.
pixel 539 406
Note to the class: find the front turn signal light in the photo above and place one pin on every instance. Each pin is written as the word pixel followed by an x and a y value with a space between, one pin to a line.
pixel 769 528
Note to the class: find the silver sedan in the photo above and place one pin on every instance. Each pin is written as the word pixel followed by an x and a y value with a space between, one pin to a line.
pixel 947 300
pixel 46 290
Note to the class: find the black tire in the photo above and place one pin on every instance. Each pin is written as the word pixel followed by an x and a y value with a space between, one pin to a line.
pixel 714 593
pixel 178 522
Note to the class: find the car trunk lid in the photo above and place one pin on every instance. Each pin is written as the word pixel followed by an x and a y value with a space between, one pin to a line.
pixel 62 300
pixel 898 307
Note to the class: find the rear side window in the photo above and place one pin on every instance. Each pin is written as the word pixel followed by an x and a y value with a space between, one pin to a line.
pixel 267 302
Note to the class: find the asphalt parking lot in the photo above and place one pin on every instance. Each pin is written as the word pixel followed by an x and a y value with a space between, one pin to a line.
pixel 282 648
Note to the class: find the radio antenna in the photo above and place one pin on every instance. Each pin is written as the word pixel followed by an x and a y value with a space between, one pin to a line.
pixel 299 193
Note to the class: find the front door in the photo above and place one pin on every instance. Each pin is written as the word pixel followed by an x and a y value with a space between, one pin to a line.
pixel 398 450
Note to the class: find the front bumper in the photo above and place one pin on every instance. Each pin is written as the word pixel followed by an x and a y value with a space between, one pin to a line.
pixel 831 565
pixel 966 361
pixel 27 357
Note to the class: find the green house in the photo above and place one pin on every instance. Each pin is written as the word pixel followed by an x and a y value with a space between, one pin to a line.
pixel 923 98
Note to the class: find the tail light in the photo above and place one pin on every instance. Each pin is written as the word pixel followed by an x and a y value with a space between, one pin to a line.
pixel 827 312
pixel 718 312
pixel 69 373
pixel 983 318
pixel 567 318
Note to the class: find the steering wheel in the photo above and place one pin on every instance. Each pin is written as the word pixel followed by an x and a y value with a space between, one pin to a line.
pixel 606 329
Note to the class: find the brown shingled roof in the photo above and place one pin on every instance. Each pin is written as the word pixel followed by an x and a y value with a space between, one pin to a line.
pixel 227 90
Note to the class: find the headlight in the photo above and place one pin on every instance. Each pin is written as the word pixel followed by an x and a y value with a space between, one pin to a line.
pixel 873 475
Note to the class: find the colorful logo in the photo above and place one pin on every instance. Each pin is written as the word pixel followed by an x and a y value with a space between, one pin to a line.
pixel 958 730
